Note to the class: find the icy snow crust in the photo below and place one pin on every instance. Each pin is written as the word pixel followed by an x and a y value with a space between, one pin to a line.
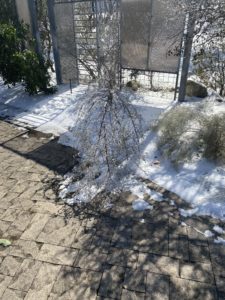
pixel 200 182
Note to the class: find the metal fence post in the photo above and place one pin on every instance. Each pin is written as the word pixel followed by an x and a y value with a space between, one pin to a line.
pixel 97 16
pixel 51 16
pixel 186 59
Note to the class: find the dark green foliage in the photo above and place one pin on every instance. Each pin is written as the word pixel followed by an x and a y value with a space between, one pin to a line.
pixel 8 12
pixel 12 42
pixel 35 74
pixel 20 65
pixel 44 28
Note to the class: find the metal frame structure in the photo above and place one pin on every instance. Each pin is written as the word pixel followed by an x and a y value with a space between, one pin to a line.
pixel 179 77
pixel 148 69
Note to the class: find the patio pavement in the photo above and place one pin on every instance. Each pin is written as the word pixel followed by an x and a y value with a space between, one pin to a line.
pixel 91 252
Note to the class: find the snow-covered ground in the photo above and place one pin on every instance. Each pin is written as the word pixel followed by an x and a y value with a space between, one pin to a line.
pixel 46 113
pixel 201 183
pixel 55 113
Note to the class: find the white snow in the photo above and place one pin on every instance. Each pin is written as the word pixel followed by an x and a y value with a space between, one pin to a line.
pixel 141 205
pixel 199 182
pixel 47 113
pixel 156 196
pixel 208 234
pixel 77 192
pixel 184 224
pixel 218 229
pixel 56 113
pixel 219 240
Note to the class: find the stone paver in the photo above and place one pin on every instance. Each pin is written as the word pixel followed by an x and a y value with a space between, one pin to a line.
pixel 35 227
pixel 94 261
pixel 25 249
pixel 135 280
pixel 13 294
pixel 157 286
pixel 25 275
pixel 199 271
pixel 10 265
pixel 112 282
pixel 4 283
pixel 159 264
pixel 59 232
pixel 44 281
pixel 189 290
pixel 131 295
pixel 66 253
pixel 57 255
pixel 123 257
pixel 74 283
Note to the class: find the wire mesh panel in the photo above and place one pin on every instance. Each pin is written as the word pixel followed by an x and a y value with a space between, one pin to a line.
pixel 86 26
pixel 151 33
pixel 64 17
pixel 167 27
pixel 135 30
pixel 157 84
pixel 88 40
pixel 89 33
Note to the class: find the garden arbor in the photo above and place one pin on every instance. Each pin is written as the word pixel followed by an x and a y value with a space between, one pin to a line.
pixel 141 37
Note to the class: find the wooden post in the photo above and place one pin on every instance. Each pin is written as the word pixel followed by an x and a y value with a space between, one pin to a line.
pixel 51 16
pixel 186 59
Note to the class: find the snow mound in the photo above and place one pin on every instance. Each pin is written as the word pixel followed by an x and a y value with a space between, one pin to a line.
pixel 141 205
pixel 218 229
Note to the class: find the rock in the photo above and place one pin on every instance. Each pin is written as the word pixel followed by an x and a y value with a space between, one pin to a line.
pixel 194 89
pixel 134 85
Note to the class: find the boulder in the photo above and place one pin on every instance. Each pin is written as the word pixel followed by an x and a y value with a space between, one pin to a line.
pixel 134 85
pixel 194 89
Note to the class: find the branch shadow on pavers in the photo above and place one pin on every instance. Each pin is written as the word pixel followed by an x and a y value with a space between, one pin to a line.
pixel 57 255
pixel 189 290
pixel 146 255
pixel 43 150
pixel 75 283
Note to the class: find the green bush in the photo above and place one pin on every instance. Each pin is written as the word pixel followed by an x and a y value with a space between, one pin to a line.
pixel 212 136
pixel 8 12
pixel 17 64
pixel 185 132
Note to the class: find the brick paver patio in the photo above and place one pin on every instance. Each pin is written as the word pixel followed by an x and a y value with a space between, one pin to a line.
pixel 90 252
